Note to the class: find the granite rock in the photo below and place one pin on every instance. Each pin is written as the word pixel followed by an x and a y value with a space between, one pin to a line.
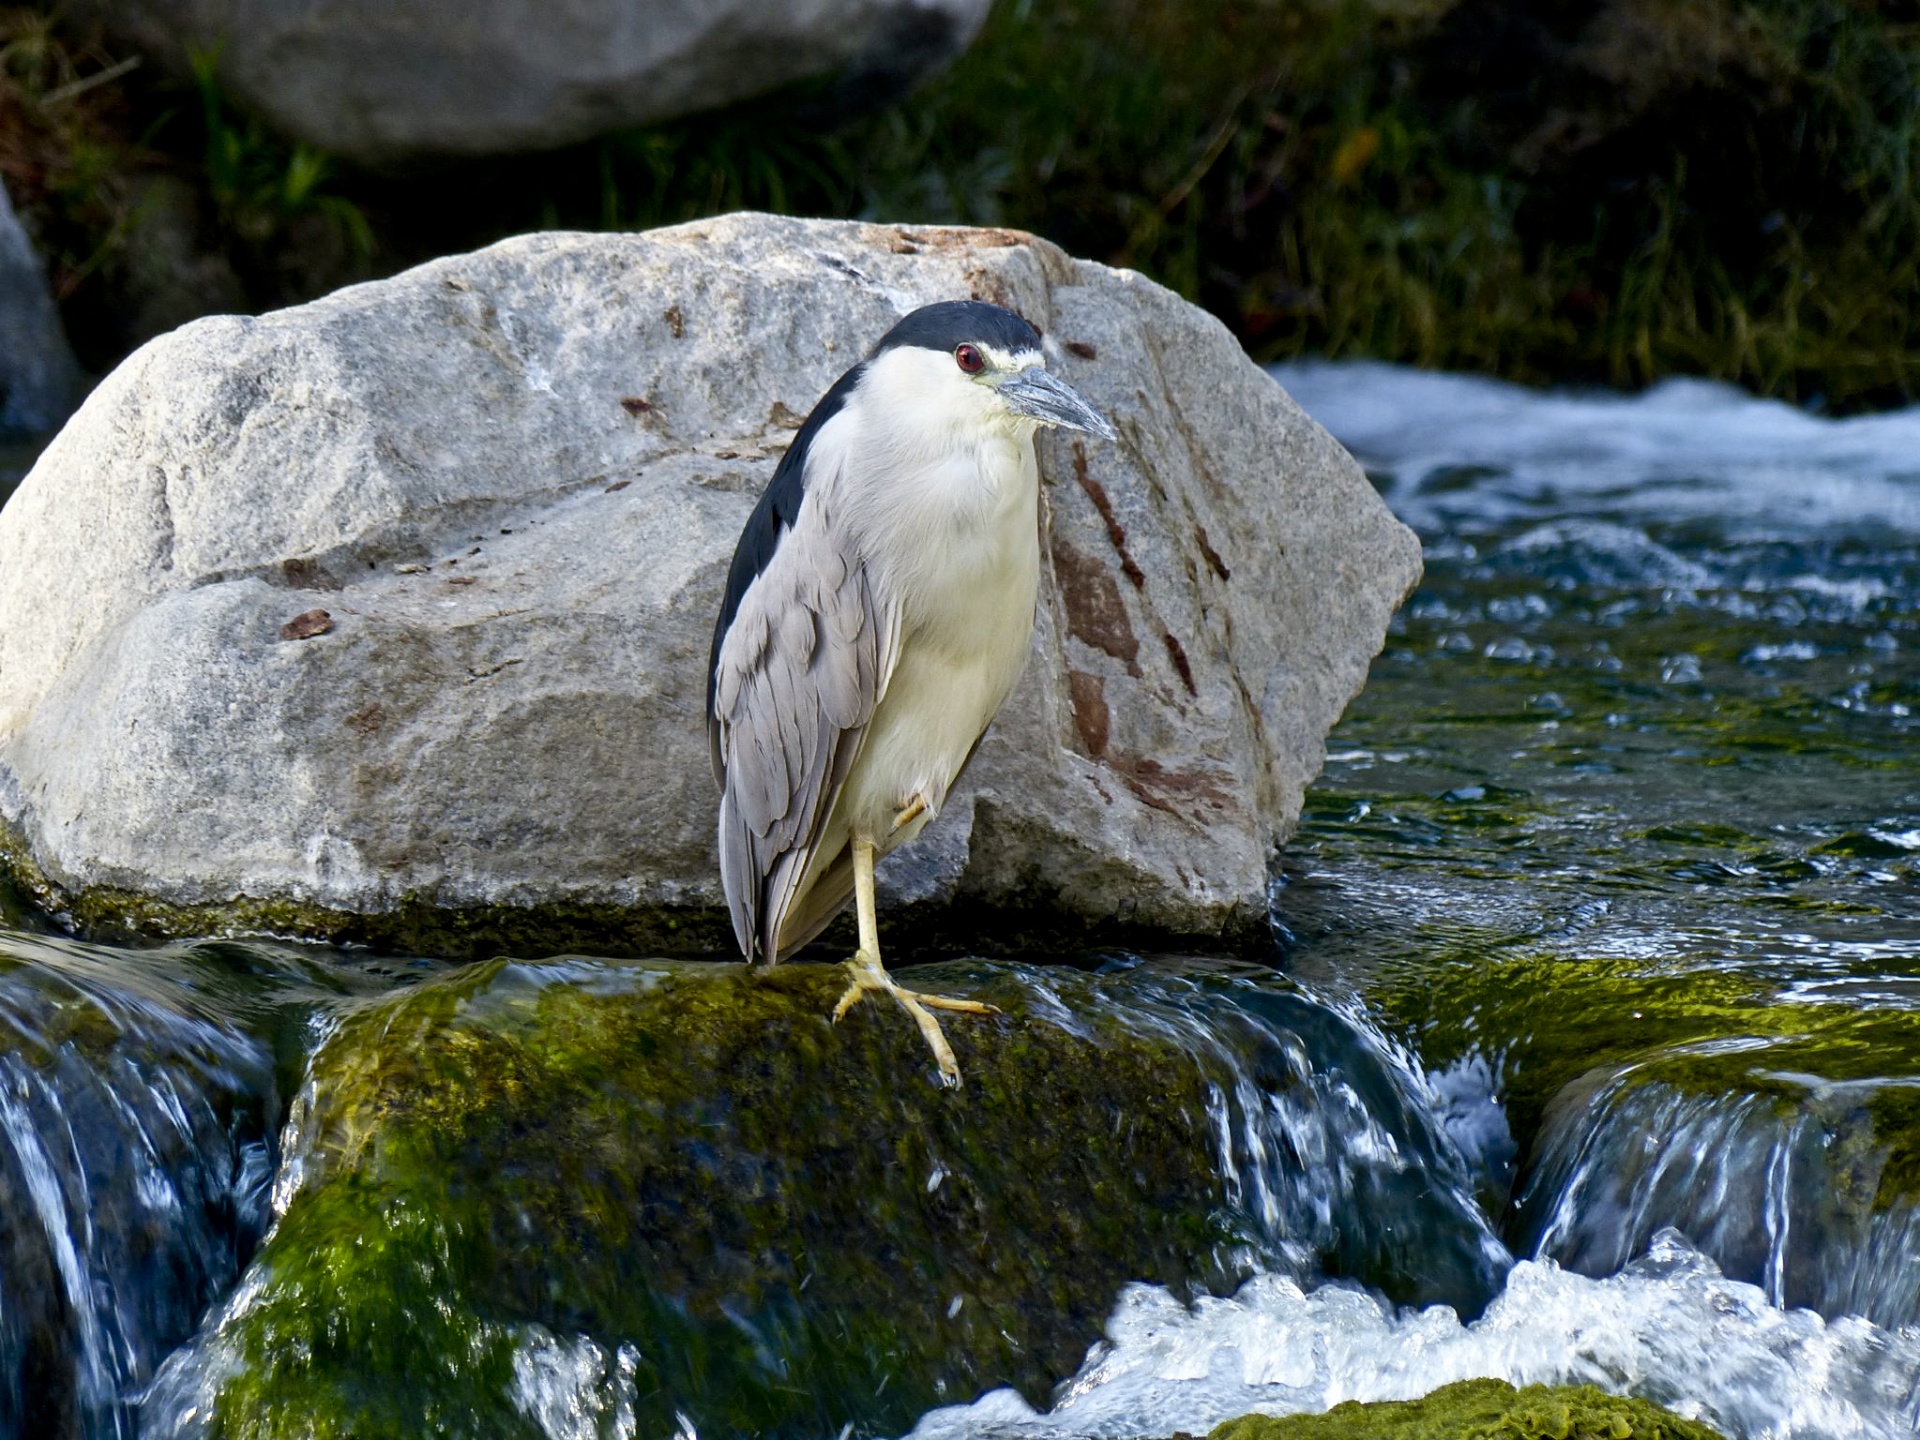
pixel 511 480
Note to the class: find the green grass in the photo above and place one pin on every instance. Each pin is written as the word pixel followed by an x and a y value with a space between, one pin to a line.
pixel 1609 190
pixel 260 185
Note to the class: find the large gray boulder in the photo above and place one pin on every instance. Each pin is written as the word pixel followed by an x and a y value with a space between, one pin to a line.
pixel 40 381
pixel 512 480
pixel 381 81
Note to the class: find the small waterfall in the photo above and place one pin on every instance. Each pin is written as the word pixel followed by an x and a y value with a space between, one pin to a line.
pixel 136 1161
pixel 1785 1186
pixel 1328 1159
pixel 1331 1147
pixel 134 1165
pixel 1336 1155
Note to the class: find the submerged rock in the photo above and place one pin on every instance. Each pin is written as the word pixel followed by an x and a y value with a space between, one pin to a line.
pixel 681 1195
pixel 389 620
pixel 1782 1139
pixel 1480 1410
pixel 389 80
pixel 1775 1155
pixel 40 381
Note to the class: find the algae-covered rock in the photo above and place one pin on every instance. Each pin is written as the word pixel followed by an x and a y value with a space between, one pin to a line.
pixel 1775 1155
pixel 512 480
pixel 1480 1410
pixel 778 1218
pixel 649 1189
pixel 1783 1139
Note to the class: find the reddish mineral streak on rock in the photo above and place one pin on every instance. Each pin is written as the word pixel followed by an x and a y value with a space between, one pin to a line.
pixel 1176 792
pixel 1177 653
pixel 1090 714
pixel 1097 493
pixel 1214 562
pixel 950 237
pixel 1096 613
pixel 635 406
pixel 306 625
pixel 1082 349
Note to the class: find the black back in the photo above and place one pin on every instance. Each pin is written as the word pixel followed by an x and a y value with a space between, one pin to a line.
pixel 776 513
pixel 941 326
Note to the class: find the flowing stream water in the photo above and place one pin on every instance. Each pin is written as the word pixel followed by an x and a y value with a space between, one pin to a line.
pixel 1591 1051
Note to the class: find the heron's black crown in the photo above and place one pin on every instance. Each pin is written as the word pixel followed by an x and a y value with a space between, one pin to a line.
pixel 941 327
pixel 958 322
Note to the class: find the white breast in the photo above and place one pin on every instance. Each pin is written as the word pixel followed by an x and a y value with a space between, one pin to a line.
pixel 954 542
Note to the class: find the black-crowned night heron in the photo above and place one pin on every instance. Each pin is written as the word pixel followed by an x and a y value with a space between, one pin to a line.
pixel 877 615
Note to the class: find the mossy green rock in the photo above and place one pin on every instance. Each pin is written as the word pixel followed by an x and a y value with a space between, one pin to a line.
pixel 773 1223
pixel 1480 1410
pixel 1782 1139
pixel 1570 1021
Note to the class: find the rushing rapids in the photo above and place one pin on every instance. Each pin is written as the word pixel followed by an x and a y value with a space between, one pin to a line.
pixel 1591 1053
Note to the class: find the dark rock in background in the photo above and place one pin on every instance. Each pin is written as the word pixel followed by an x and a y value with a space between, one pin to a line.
pixel 383 81
pixel 40 381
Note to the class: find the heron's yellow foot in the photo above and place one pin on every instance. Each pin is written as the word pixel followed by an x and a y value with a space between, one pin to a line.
pixel 915 808
pixel 870 976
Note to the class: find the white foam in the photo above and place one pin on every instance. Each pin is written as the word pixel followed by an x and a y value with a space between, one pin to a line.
pixel 572 1389
pixel 1461 448
pixel 1669 1328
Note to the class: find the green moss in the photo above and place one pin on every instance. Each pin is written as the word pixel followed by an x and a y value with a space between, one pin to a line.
pixel 415 926
pixel 1480 1410
pixel 790 1221
pixel 1550 1018
pixel 1038 924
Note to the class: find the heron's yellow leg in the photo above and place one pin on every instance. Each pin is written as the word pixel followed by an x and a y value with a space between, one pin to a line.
pixel 870 975
pixel 916 807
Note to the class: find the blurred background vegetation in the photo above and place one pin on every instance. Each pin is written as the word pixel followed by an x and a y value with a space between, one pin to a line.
pixel 1570 190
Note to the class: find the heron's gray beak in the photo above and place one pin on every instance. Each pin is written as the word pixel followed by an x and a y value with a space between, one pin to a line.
pixel 1034 393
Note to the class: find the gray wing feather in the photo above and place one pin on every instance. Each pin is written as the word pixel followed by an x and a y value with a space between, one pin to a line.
pixel 801 669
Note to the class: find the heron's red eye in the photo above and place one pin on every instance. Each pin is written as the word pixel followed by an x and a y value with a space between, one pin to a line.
pixel 969 359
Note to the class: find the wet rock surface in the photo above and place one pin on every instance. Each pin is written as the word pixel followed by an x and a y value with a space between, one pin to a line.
pixel 510 482
pixel 381 81
pixel 649 1190
pixel 1479 1410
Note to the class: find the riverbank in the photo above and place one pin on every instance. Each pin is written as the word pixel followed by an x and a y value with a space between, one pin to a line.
pixel 1613 193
